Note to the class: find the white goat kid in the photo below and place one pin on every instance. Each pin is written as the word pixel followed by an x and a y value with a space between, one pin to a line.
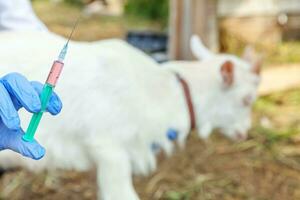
pixel 228 98
pixel 118 103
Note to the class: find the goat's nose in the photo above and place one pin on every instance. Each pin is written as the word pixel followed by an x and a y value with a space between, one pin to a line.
pixel 240 136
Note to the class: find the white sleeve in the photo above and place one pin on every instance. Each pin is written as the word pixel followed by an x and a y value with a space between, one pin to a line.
pixel 19 15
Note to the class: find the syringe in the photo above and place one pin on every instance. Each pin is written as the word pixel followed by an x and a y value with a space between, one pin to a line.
pixel 48 88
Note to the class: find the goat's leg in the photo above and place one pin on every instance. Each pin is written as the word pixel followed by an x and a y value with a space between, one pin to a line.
pixel 114 175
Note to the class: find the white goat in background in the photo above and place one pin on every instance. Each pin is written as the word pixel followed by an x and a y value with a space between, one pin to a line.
pixel 118 102
pixel 238 92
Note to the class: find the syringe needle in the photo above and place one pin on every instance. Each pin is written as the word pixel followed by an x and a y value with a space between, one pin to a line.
pixel 63 52
pixel 74 27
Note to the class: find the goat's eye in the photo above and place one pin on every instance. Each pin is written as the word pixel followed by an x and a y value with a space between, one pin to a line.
pixel 247 101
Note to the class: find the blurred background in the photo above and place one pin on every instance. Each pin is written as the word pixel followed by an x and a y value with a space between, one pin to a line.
pixel 266 166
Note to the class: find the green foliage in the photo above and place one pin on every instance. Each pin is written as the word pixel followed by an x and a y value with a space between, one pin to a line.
pixel 173 195
pixel 273 136
pixel 265 105
pixel 282 109
pixel 286 52
pixel 272 103
pixel 157 10
pixel 74 2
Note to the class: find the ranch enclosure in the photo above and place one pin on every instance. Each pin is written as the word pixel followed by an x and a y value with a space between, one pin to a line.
pixel 223 22
pixel 266 166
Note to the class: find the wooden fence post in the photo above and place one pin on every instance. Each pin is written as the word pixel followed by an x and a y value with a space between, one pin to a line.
pixel 188 17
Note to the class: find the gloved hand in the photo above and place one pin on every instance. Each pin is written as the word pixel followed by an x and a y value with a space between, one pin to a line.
pixel 17 92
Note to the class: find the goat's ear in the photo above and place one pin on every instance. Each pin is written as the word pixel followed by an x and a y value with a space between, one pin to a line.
pixel 249 53
pixel 253 58
pixel 227 72
pixel 198 49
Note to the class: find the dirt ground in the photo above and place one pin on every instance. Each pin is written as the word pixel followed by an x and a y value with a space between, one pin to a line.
pixel 266 166
pixel 213 170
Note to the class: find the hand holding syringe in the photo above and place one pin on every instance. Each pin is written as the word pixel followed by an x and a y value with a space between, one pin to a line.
pixel 48 90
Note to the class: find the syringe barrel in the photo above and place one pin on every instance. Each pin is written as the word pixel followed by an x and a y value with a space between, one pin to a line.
pixel 36 118
pixel 55 73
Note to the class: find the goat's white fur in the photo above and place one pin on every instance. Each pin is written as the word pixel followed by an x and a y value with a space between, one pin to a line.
pixel 198 49
pixel 117 102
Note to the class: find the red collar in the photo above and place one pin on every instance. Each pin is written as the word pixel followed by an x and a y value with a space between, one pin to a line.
pixel 188 98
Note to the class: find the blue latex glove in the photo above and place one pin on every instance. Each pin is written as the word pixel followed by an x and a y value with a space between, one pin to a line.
pixel 17 92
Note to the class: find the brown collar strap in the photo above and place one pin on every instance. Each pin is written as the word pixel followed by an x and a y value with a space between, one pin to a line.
pixel 188 98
